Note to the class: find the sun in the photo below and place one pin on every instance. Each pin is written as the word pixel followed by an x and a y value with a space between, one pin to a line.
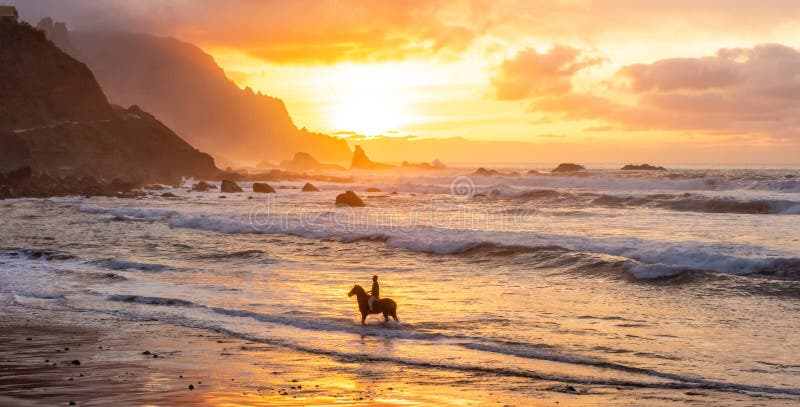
pixel 372 99
pixel 369 114
pixel 368 98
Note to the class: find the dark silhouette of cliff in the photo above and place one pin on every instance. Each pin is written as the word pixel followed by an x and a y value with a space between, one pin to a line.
pixel 191 94
pixel 360 161
pixel 40 84
pixel 55 119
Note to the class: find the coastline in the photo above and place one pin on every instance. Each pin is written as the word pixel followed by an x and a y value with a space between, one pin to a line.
pixel 115 368
pixel 124 362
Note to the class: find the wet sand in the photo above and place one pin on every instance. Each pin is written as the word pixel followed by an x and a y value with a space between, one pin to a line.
pixel 52 358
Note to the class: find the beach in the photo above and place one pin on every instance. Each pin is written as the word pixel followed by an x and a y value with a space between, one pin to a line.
pixel 529 290
pixel 151 363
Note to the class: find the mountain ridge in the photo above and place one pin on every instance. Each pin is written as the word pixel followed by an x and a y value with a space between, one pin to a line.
pixel 190 93
pixel 56 120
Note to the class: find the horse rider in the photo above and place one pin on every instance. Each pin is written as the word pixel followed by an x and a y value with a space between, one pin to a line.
pixel 375 292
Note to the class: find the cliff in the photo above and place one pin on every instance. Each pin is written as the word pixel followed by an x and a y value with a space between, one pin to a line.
pixel 186 89
pixel 40 84
pixel 55 119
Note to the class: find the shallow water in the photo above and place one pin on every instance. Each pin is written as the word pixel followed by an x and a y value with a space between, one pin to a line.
pixel 685 279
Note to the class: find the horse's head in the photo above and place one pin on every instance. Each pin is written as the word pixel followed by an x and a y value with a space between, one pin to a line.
pixel 356 289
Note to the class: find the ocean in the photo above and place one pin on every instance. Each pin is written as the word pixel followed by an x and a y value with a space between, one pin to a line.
pixel 678 279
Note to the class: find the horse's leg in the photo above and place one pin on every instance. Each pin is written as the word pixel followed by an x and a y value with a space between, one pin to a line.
pixel 394 314
pixel 385 316
pixel 363 318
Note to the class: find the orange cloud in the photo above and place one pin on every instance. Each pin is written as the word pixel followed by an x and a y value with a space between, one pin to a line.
pixel 299 31
pixel 532 74
pixel 737 91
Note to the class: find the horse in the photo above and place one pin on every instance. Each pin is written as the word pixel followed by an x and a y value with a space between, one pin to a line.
pixel 386 306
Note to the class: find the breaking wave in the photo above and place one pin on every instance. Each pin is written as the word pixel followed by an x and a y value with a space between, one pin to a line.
pixel 685 202
pixel 641 259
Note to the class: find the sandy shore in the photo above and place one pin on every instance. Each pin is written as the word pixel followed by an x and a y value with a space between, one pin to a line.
pixel 52 358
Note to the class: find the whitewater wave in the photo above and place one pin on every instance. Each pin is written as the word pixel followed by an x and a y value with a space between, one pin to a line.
pixel 712 180
pixel 129 212
pixel 151 300
pixel 119 264
pixel 642 259
pixel 242 254
pixel 685 202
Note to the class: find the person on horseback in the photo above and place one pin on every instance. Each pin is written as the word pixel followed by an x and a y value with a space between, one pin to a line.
pixel 375 292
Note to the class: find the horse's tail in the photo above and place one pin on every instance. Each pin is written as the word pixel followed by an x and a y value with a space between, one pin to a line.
pixel 393 311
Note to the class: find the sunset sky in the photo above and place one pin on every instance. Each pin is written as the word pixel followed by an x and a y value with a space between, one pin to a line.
pixel 680 81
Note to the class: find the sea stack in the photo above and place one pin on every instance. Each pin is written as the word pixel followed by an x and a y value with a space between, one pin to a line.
pixel 362 162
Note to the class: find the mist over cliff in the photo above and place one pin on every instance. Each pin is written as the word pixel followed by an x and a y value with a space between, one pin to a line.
pixel 55 119
pixel 191 94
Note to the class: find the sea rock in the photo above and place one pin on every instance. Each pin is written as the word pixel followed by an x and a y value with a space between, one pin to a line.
pixel 372 189
pixel 532 172
pixel 229 186
pixel 483 172
pixel 202 186
pixel 310 188
pixel 349 198
pixel 362 162
pixel 168 195
pixel 642 167
pixel 263 188
pixel 568 167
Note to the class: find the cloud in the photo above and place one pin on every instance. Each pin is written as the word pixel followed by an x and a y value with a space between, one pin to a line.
pixel 681 73
pixel 737 91
pixel 299 32
pixel 532 74
pixel 324 31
